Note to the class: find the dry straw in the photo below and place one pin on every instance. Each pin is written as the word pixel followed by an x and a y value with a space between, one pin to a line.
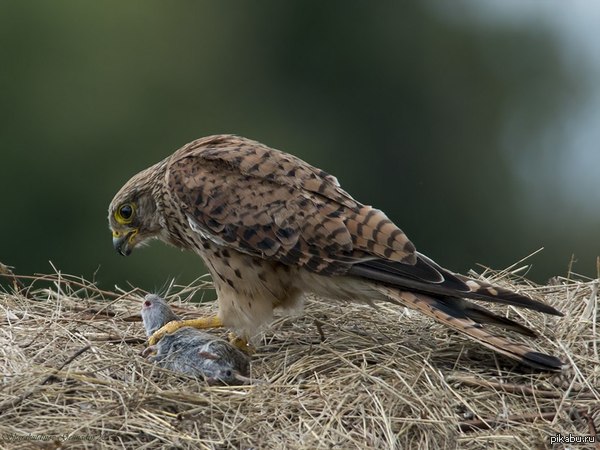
pixel 340 376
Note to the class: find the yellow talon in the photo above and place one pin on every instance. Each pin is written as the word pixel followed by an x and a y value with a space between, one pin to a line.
pixel 242 344
pixel 168 328
pixel 173 326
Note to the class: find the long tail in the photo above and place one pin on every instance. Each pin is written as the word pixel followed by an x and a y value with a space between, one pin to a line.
pixel 468 318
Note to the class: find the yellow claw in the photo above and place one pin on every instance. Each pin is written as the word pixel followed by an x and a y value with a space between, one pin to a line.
pixel 173 326
pixel 242 344
pixel 170 327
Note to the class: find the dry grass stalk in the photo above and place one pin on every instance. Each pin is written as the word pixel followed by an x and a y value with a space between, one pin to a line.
pixel 340 376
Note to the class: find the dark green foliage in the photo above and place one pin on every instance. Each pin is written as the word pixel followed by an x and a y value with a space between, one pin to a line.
pixel 405 107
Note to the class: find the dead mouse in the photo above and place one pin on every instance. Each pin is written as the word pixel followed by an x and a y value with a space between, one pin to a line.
pixel 191 351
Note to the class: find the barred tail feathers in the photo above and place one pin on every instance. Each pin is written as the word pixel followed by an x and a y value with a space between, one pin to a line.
pixel 468 318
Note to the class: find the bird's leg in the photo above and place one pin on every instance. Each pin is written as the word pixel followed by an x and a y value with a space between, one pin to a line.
pixel 171 327
pixel 242 343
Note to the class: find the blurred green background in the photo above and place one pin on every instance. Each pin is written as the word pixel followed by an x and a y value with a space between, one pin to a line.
pixel 470 123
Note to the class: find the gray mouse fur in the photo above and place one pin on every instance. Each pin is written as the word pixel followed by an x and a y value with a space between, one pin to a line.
pixel 191 351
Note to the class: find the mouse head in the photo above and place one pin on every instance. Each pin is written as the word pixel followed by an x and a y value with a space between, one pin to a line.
pixel 156 313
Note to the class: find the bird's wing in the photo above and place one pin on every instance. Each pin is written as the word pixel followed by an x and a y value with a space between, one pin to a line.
pixel 272 205
pixel 275 206
pixel 451 285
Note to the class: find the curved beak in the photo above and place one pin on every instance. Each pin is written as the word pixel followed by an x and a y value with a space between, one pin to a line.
pixel 123 242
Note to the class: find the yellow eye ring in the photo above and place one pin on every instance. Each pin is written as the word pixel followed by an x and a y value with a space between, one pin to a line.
pixel 124 214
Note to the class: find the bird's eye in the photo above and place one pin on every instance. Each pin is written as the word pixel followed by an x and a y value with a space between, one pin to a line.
pixel 125 213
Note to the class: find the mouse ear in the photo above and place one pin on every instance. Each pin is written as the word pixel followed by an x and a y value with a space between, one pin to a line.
pixel 208 355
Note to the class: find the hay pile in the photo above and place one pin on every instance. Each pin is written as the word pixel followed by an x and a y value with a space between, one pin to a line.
pixel 340 376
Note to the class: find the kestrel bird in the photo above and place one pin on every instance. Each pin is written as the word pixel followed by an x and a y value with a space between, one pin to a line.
pixel 271 228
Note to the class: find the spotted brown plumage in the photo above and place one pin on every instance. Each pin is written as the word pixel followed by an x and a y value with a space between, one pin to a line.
pixel 272 228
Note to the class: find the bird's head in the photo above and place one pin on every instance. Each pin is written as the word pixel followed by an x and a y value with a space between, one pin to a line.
pixel 133 216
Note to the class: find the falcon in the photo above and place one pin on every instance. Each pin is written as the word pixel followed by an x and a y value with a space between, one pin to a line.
pixel 271 229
